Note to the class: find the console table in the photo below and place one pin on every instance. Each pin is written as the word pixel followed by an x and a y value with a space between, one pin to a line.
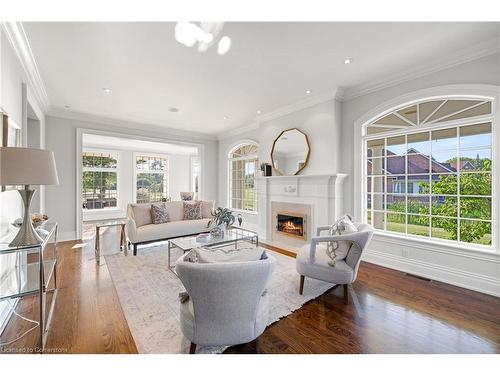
pixel 33 269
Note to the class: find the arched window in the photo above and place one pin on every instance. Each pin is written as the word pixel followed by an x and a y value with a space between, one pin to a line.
pixel 428 170
pixel 243 160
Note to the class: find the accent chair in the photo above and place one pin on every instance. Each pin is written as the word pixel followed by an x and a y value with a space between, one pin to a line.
pixel 228 302
pixel 313 261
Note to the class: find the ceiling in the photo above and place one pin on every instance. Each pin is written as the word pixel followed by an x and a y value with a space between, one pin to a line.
pixel 269 65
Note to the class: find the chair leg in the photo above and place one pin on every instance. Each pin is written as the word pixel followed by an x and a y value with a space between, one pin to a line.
pixel 301 288
pixel 346 294
pixel 192 348
pixel 135 249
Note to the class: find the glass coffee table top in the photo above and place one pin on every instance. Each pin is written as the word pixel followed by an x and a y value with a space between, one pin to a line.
pixel 233 234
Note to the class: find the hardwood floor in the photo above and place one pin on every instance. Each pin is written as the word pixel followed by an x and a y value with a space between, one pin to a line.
pixel 389 312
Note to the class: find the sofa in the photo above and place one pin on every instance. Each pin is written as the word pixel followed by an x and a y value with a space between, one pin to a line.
pixel 141 230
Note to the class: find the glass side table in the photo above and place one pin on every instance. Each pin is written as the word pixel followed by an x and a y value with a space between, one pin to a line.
pixel 32 269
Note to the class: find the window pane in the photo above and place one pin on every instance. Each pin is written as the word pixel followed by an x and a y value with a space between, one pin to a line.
pixel 418 204
pixel 445 139
pixel 417 184
pixel 377 201
pixel 378 220
pixel 475 208
pixel 396 146
pixel 474 136
pixel 482 109
pixel 444 206
pixel 475 160
pixel 375 166
pixel 444 228
pixel 417 163
pixel 376 184
pixel 473 231
pixel 418 225
pixel 375 148
pixel 369 217
pixel 396 222
pixel 444 161
pixel 419 143
pixel 475 183
pixel 444 184
pixel 396 184
pixel 396 203
pixel 409 113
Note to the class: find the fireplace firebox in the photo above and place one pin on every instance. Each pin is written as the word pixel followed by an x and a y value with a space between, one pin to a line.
pixel 291 225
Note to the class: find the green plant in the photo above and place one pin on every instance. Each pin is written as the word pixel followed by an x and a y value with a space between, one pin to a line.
pixel 263 166
pixel 222 216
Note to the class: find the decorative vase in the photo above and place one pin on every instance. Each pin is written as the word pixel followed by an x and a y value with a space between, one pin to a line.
pixel 223 228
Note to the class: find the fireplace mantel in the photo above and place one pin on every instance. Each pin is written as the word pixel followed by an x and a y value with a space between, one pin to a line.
pixel 322 192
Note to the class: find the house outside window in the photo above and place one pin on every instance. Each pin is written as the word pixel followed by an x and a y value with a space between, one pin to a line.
pixel 100 176
pixel 151 178
pixel 429 171
pixel 243 164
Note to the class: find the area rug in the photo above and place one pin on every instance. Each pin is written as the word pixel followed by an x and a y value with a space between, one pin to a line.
pixel 148 294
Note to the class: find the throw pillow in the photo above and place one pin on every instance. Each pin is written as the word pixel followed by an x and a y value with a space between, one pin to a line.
pixel 192 210
pixel 159 213
pixel 338 250
pixel 187 196
pixel 222 255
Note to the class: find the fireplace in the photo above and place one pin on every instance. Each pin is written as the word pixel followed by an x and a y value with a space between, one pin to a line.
pixel 291 224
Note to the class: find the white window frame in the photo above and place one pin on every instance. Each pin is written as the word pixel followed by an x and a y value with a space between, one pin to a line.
pixel 192 159
pixel 454 92
pixel 229 174
pixel 91 169
pixel 165 173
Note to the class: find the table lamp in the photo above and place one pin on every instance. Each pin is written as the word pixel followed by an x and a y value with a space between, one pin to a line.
pixel 27 166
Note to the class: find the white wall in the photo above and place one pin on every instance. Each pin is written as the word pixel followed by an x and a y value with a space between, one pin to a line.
pixel 321 124
pixel 478 270
pixel 12 101
pixel 61 138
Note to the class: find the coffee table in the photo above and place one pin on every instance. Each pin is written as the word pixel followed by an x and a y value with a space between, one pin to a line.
pixel 233 235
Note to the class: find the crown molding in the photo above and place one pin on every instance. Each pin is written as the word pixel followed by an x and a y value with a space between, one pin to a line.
pixel 238 131
pixel 16 35
pixel 483 49
pixel 297 106
pixel 127 124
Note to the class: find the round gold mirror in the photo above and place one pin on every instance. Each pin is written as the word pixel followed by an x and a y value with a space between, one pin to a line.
pixel 290 152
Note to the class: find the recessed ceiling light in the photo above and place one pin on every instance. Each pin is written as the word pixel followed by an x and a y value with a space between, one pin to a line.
pixel 226 118
pixel 174 110
pixel 259 111
pixel 308 92
pixel 107 90
pixel 348 60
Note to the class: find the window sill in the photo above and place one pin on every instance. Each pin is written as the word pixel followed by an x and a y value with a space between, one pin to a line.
pixel 456 248
pixel 102 210
pixel 246 212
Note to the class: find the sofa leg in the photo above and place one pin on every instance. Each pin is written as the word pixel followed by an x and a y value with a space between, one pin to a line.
pixel 135 249
pixel 192 348
pixel 346 294
pixel 301 289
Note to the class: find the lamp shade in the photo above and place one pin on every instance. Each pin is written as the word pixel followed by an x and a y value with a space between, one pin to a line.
pixel 27 166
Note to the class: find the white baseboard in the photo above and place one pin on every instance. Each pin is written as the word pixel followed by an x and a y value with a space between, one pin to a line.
pixel 464 279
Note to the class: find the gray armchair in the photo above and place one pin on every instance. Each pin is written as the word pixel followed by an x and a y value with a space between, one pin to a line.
pixel 228 303
pixel 312 260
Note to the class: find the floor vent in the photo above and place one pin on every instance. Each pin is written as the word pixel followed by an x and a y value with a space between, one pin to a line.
pixel 418 277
